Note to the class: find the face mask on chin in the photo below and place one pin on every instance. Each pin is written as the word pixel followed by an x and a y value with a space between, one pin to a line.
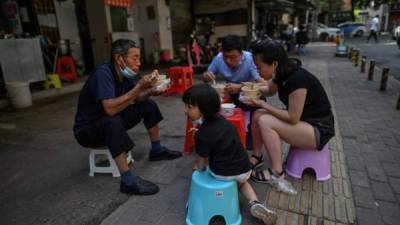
pixel 197 122
pixel 127 72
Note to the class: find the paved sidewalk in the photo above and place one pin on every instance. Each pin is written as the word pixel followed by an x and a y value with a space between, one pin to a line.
pixel 369 125
pixel 44 171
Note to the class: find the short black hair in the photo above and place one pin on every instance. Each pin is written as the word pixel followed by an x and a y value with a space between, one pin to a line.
pixel 121 46
pixel 205 97
pixel 232 42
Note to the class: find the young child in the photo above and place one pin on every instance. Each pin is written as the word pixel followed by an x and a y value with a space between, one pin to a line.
pixel 218 142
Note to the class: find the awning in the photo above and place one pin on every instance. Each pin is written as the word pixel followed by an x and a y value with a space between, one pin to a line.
pixel 281 4
pixel 119 3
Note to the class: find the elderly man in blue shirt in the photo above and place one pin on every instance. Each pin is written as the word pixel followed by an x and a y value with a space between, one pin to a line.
pixel 236 66
pixel 113 100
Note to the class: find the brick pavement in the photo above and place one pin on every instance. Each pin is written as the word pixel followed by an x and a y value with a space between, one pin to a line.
pixel 368 123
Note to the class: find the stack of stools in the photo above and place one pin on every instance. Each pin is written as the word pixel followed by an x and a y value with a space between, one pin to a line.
pixel 210 199
pixel 66 68
pixel 237 119
pixel 112 168
pixel 181 79
pixel 300 159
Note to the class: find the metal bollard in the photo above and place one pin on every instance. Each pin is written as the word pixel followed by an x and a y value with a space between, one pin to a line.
pixel 356 58
pixel 384 79
pixel 398 103
pixel 363 62
pixel 350 53
pixel 371 69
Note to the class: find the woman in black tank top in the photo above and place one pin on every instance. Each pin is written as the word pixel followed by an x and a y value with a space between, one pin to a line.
pixel 307 122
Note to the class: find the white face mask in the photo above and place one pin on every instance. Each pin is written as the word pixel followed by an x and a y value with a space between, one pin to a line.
pixel 199 121
pixel 127 72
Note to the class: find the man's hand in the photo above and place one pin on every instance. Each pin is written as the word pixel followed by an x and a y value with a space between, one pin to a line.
pixel 156 92
pixel 146 82
pixel 208 76
pixel 233 88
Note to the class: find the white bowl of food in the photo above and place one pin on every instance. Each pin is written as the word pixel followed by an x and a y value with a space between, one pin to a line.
pixel 252 91
pixel 220 88
pixel 227 109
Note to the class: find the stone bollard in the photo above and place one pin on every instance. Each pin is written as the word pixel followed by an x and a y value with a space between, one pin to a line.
pixel 363 62
pixel 371 69
pixel 384 79
pixel 350 53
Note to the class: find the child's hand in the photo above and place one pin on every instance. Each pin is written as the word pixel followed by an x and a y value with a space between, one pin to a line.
pixel 194 167
pixel 193 131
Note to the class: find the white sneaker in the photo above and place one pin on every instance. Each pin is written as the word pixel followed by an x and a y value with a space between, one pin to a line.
pixel 281 184
pixel 261 212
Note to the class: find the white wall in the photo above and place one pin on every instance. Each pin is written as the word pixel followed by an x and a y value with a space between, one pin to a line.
pixel 381 11
pixel 164 23
pixel 155 32
pixel 68 26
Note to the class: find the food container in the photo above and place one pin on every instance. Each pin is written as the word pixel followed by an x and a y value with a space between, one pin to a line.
pixel 220 88
pixel 252 91
pixel 162 84
pixel 161 79
pixel 227 109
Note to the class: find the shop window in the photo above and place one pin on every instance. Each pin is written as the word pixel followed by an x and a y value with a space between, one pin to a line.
pixel 151 14
pixel 119 19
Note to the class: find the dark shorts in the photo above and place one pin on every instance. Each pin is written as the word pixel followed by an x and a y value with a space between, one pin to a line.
pixel 324 129
pixel 111 131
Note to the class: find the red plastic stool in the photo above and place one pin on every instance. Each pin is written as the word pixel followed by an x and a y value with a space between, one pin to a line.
pixel 189 139
pixel 226 99
pixel 237 119
pixel 181 79
pixel 66 68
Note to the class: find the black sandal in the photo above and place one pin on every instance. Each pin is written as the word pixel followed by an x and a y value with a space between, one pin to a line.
pixel 259 162
pixel 259 177
pixel 275 174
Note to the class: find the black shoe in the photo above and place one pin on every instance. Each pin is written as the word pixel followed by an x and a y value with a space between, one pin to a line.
pixel 140 187
pixel 164 155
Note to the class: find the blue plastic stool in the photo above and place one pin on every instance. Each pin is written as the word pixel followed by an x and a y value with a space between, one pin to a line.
pixel 210 197
pixel 302 51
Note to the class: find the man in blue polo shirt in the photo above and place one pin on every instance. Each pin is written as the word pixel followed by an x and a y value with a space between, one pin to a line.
pixel 236 66
pixel 115 99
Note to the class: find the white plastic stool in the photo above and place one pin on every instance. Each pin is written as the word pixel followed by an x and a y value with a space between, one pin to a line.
pixel 112 168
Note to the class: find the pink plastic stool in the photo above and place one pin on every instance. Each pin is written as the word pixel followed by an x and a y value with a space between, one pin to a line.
pixel 300 159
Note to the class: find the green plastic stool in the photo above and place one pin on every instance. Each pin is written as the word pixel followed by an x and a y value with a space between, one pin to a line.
pixel 52 80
